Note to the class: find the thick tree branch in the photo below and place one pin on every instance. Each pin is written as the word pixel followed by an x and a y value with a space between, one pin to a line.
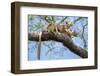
pixel 63 38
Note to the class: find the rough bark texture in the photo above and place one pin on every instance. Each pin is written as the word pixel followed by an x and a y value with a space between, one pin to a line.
pixel 60 37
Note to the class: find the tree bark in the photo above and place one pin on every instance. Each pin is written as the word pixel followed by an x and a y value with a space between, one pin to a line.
pixel 59 37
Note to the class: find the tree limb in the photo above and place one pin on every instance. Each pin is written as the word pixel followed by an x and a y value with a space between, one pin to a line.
pixel 62 20
pixel 60 37
pixel 83 30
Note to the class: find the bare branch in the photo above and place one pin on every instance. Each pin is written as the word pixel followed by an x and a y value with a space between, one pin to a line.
pixel 83 36
pixel 77 19
pixel 62 20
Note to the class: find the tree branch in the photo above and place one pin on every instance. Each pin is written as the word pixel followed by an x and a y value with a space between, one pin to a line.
pixel 63 38
pixel 62 20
